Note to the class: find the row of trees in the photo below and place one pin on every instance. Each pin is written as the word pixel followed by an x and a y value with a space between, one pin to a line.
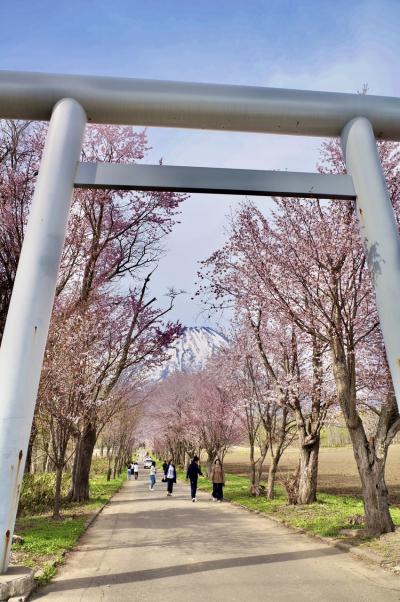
pixel 106 330
pixel 305 337
pixel 301 292
pixel 305 340
pixel 191 413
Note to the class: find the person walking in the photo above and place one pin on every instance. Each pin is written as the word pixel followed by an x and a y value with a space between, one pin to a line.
pixel 171 477
pixel 192 474
pixel 152 476
pixel 129 469
pixel 217 477
pixel 136 470
pixel 165 468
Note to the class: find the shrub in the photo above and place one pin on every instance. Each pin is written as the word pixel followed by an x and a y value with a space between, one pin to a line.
pixel 290 483
pixel 37 493
pixel 99 466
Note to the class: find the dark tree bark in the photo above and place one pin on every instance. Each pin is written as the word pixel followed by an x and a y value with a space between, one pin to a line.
pixel 83 460
pixel 308 472
pixel 273 467
pixel 28 463
pixel 370 455
pixel 57 494
pixel 256 469
pixel 371 469
pixel 281 434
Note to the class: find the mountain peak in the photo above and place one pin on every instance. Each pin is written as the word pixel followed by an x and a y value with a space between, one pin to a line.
pixel 191 351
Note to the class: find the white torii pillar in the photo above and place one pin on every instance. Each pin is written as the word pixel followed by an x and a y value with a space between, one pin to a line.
pixel 379 232
pixel 28 319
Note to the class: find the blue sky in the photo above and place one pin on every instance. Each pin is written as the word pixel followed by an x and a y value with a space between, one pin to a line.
pixel 326 44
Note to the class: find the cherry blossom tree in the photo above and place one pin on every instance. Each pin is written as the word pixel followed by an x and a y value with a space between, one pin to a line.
pixel 292 362
pixel 21 145
pixel 214 417
pixel 191 413
pixel 169 419
pixel 307 261
pixel 116 240
pixel 120 436
pixel 113 244
pixel 266 422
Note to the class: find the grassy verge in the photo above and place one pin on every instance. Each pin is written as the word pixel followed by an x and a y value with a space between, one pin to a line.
pixel 45 540
pixel 326 518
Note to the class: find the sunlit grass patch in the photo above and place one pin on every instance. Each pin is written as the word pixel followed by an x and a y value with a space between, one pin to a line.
pixel 326 517
pixel 46 540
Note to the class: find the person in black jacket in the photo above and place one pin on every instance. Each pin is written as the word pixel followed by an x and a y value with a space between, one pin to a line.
pixel 192 474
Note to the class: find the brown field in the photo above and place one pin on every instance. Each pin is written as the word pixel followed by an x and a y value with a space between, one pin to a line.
pixel 337 469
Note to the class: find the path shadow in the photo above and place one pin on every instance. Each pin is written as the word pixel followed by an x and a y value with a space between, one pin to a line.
pixel 152 527
pixel 162 518
pixel 183 569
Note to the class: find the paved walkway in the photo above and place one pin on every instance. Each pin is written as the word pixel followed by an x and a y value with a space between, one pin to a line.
pixel 147 547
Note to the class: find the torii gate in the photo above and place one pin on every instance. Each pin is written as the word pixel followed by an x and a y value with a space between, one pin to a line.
pixel 69 101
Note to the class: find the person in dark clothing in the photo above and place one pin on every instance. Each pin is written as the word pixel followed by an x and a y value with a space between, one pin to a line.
pixel 165 467
pixel 192 474
pixel 171 477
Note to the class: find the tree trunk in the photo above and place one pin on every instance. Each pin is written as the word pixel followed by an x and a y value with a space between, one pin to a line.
pixel 372 474
pixel 376 505
pixel 256 475
pixel 188 457
pixel 273 467
pixel 308 472
pixel 109 471
pixel 28 462
pixel 254 482
pixel 256 466
pixel 48 465
pixel 83 459
pixel 371 468
pixel 57 493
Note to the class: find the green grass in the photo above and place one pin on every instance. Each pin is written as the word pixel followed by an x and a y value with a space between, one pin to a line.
pixel 46 540
pixel 326 517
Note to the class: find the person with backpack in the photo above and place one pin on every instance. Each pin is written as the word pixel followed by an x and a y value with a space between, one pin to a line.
pixel 192 474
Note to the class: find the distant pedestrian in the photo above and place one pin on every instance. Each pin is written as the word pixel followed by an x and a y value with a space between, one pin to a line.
pixel 129 468
pixel 171 477
pixel 136 470
pixel 217 477
pixel 165 468
pixel 192 474
pixel 152 476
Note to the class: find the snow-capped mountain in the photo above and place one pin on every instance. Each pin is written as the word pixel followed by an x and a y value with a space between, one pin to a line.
pixel 191 351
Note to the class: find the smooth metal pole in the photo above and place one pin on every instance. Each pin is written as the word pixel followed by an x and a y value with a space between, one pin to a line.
pixel 196 105
pixel 28 318
pixel 212 180
pixel 379 232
